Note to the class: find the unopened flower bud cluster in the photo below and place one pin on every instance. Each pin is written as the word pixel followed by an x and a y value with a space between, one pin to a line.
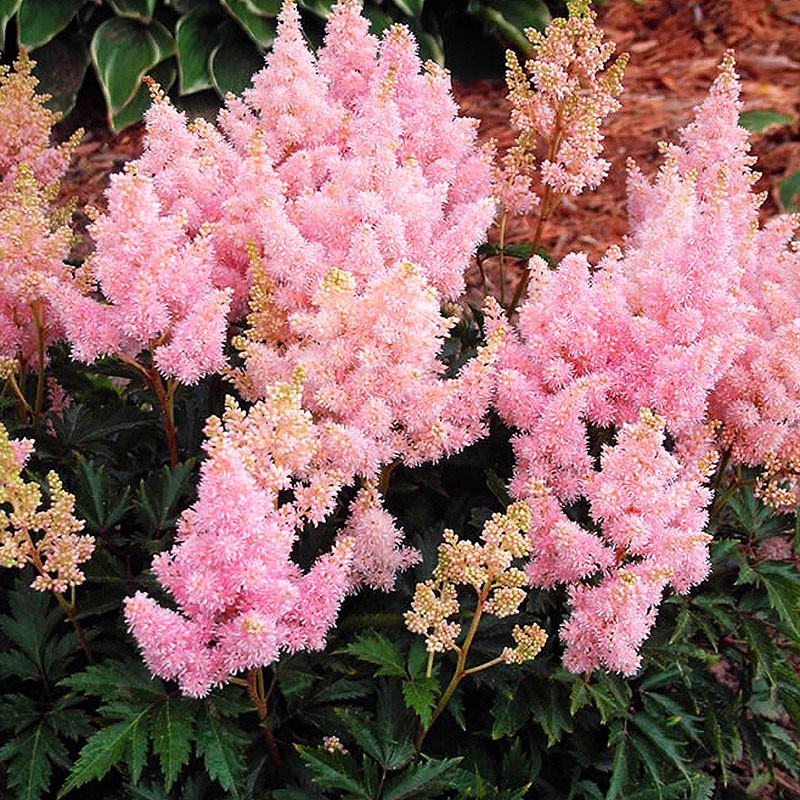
pixel 488 567
pixel 47 538
pixel 560 98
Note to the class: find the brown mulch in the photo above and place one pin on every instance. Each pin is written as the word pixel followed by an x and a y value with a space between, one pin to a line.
pixel 674 46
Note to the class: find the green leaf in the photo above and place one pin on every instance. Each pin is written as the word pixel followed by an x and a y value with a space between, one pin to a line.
pixel 509 715
pixel 759 640
pixel 43 648
pixel 196 38
pixel 510 18
pixel 619 770
pixel 123 51
pixel 93 500
pixel 222 744
pixel 172 736
pixel 654 731
pixel 31 755
pixel 379 21
pixel 758 121
pixel 7 10
pixel 38 21
pixel 782 582
pixel 105 749
pixel 420 696
pixel 158 501
pixel 333 770
pixel 411 8
pixel 420 779
pixel 260 28
pixel 789 193
pixel 164 75
pixel 375 648
pixel 61 66
pixel 369 736
pixel 320 8
pixel 141 10
pixel 233 61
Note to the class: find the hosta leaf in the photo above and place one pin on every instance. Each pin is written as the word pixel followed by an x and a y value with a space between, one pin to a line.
pixel 411 8
pixel 196 37
pixel 757 121
pixel 38 21
pixel 375 648
pixel 261 29
pixel 420 780
pixel 164 75
pixel 123 51
pixel 511 17
pixel 233 61
pixel 320 8
pixel 141 10
pixel 789 193
pixel 266 8
pixel 379 21
pixel 61 66
pixel 7 10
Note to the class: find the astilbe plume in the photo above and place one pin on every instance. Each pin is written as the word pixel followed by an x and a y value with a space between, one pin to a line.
pixel 662 337
pixel 37 289
pixel 48 538
pixel 558 101
pixel 352 198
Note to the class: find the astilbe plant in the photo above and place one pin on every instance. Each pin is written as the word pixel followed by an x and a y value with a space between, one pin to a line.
pixel 38 291
pixel 649 344
pixel 352 198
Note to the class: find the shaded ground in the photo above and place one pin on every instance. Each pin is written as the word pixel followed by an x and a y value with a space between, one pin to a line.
pixel 675 47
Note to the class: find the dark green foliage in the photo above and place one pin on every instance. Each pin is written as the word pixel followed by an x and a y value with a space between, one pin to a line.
pixel 202 49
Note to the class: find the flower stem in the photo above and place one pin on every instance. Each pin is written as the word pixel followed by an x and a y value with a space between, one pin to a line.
pixel 460 670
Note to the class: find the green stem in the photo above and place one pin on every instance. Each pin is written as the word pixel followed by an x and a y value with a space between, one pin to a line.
pixel 460 670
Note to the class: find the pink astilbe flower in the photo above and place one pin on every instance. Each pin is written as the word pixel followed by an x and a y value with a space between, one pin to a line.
pixel 37 288
pixel 353 196
pixel 690 319
pixel 241 598
pixel 378 552
pixel 25 126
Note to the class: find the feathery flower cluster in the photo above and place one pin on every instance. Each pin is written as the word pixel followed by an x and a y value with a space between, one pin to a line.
pixel 36 287
pixel 665 336
pixel 489 569
pixel 347 194
pixel 47 538
pixel 560 98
